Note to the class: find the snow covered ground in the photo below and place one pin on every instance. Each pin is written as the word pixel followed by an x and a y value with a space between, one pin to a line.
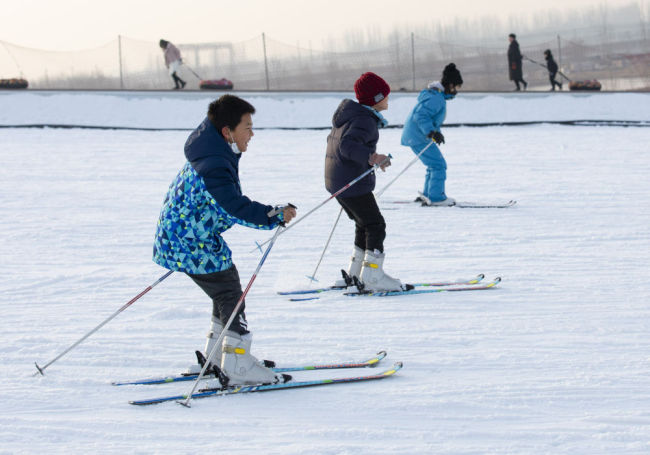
pixel 555 360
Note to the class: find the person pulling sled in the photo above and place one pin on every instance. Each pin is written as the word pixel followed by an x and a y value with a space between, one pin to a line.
pixel 173 62
pixel 552 69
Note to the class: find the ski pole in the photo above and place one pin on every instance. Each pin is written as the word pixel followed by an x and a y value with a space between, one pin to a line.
pixel 544 66
pixel 379 193
pixel 345 187
pixel 106 321
pixel 217 344
pixel 313 275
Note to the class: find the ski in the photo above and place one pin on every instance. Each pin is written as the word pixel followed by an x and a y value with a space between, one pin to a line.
pixel 475 205
pixel 371 362
pixel 463 205
pixel 474 280
pixel 480 287
pixel 312 291
pixel 234 390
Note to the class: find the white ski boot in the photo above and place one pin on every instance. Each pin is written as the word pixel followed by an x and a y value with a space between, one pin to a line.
pixel 373 276
pixel 450 201
pixel 354 269
pixel 215 330
pixel 426 202
pixel 241 367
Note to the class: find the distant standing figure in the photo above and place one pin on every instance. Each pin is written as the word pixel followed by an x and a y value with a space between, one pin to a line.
pixel 173 61
pixel 552 69
pixel 515 63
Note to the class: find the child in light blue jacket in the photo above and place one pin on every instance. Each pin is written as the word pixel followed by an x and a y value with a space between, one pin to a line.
pixel 422 126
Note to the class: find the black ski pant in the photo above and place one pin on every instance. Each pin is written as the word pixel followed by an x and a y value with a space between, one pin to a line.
pixel 519 79
pixel 177 80
pixel 224 288
pixel 370 227
pixel 551 77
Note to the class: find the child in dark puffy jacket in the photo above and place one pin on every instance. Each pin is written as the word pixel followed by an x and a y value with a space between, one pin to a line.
pixel 351 150
pixel 552 69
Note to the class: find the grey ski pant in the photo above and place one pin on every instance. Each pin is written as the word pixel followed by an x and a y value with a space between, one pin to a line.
pixel 224 288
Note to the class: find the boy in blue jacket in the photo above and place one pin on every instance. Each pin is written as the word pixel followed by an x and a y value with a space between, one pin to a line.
pixel 351 150
pixel 204 200
pixel 423 126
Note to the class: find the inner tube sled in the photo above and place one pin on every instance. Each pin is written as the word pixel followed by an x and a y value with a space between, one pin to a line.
pixel 15 83
pixel 216 84
pixel 585 85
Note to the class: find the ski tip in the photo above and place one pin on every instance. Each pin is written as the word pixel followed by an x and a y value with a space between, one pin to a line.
pixel 396 366
pixel 480 276
pixel 494 282
pixel 302 299
pixel 378 358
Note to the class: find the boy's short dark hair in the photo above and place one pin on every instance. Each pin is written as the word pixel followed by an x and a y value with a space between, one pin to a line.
pixel 228 111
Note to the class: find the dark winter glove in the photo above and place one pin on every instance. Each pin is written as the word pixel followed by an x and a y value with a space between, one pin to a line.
pixel 437 137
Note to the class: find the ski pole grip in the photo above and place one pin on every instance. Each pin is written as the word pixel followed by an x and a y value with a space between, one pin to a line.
pixel 388 158
pixel 280 208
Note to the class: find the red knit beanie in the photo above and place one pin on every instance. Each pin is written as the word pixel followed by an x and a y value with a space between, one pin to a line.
pixel 370 89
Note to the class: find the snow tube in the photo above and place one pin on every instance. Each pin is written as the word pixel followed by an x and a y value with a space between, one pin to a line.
pixel 584 85
pixel 221 84
pixel 13 83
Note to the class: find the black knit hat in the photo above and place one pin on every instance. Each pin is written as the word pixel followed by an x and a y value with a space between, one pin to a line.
pixel 451 75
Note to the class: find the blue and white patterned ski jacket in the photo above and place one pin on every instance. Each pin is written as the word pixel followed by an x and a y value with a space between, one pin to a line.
pixel 204 200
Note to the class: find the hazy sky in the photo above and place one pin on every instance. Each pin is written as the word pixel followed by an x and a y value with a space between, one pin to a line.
pixel 82 24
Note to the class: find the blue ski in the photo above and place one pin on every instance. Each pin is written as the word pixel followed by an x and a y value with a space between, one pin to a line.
pixel 270 387
pixel 474 280
pixel 371 362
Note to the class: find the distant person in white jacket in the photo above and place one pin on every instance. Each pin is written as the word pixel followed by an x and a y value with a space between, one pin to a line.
pixel 173 61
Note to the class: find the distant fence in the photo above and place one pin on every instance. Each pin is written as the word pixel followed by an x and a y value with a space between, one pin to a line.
pixel 619 56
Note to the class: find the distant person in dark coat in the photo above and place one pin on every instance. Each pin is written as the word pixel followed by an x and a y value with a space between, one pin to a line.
pixel 552 69
pixel 515 63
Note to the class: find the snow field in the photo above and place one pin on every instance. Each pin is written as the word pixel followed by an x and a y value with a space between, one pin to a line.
pixel 553 361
